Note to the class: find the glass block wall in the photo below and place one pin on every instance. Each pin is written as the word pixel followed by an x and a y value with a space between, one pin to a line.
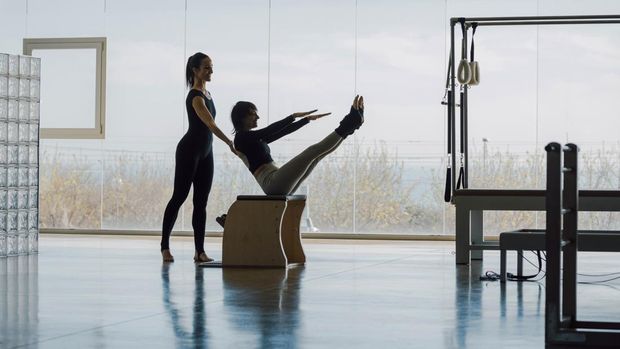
pixel 19 154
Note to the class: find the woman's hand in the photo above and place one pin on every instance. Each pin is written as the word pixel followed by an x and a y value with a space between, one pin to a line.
pixel 231 145
pixel 316 116
pixel 309 115
pixel 301 114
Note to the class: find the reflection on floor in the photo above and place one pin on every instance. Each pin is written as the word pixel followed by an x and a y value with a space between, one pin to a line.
pixel 111 292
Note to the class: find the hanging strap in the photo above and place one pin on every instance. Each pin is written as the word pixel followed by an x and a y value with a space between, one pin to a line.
pixel 448 188
pixel 471 50
pixel 459 181
pixel 464 71
pixel 445 95
pixel 474 67
pixel 464 40
pixel 463 108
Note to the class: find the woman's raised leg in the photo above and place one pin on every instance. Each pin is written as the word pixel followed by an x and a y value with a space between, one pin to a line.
pixel 312 165
pixel 287 177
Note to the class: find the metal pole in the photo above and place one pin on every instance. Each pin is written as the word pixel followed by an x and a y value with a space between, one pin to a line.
pixel 465 106
pixel 489 24
pixel 452 105
pixel 541 18
pixel 570 202
pixel 553 207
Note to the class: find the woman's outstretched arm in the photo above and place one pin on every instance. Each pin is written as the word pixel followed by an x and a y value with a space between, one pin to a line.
pixel 285 126
pixel 286 130
pixel 293 127
pixel 273 128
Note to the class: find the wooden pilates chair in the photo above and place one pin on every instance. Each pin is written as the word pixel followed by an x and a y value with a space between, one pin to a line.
pixel 263 231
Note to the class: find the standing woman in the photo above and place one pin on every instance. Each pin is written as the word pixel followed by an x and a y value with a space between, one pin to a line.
pixel 194 157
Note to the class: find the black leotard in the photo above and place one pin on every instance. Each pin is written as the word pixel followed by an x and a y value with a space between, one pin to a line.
pixel 198 137
pixel 253 144
pixel 194 165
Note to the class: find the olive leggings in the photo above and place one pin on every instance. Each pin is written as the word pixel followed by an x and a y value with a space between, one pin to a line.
pixel 286 179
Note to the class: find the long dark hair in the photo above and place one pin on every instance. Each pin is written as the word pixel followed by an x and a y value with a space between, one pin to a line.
pixel 239 112
pixel 193 62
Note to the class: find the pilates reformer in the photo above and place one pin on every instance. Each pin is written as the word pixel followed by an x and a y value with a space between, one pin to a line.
pixel 471 203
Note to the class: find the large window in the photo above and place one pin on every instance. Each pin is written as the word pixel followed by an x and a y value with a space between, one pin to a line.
pixel 73 78
pixel 538 85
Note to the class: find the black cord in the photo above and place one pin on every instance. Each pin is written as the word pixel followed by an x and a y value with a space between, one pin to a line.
pixel 511 276
pixel 583 274
pixel 539 260
pixel 610 286
pixel 490 276
pixel 598 282
pixel 595 275
pixel 493 276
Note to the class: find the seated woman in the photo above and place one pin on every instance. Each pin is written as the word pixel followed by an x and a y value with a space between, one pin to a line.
pixel 255 152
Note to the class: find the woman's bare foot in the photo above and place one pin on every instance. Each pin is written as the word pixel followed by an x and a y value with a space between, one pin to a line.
pixel 202 257
pixel 167 256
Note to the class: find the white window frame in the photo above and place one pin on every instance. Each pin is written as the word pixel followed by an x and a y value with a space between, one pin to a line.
pixel 97 43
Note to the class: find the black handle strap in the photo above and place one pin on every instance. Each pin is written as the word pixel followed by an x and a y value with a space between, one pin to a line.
pixel 450 101
pixel 464 42
pixel 471 51
pixel 447 195
pixel 450 64
pixel 448 189
pixel 463 108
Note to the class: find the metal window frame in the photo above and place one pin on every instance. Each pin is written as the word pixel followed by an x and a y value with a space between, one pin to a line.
pixel 100 45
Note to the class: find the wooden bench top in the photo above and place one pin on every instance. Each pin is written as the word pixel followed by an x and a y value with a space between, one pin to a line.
pixel 272 197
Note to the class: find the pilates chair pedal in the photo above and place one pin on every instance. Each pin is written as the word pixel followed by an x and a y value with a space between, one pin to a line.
pixel 212 264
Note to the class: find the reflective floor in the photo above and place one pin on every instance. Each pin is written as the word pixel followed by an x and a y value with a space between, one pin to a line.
pixel 112 292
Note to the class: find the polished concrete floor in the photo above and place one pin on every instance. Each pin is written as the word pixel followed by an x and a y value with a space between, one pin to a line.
pixel 113 292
